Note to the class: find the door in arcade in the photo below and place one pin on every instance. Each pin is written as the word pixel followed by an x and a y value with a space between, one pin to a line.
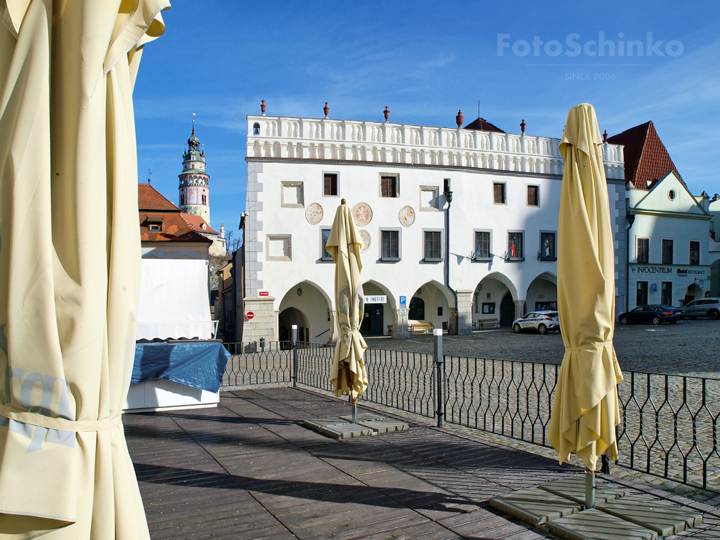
pixel 372 324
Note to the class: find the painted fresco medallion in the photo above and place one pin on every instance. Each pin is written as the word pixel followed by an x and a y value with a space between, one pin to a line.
pixel 362 213
pixel 407 216
pixel 365 236
pixel 314 213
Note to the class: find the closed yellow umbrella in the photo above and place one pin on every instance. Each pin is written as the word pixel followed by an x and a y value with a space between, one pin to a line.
pixel 348 372
pixel 69 265
pixel 585 410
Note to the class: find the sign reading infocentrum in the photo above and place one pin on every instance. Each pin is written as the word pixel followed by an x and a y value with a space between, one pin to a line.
pixel 681 272
pixel 574 45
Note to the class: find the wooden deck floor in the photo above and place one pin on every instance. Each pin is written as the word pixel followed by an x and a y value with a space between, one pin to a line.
pixel 249 470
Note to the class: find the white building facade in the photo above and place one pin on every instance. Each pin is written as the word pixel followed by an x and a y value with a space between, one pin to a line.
pixel 487 255
pixel 669 244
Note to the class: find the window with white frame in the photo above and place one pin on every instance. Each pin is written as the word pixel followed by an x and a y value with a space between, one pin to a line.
pixel 390 245
pixel 642 255
pixel 499 193
pixel 325 234
pixel 694 253
pixel 547 246
pixel 482 246
pixel 515 246
pixel 330 184
pixel 389 185
pixel 533 196
pixel 432 246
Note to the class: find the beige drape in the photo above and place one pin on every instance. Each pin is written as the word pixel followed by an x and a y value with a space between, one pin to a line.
pixel 585 409
pixel 69 264
pixel 348 372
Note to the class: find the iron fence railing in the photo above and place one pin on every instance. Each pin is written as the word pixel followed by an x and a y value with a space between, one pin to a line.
pixel 670 423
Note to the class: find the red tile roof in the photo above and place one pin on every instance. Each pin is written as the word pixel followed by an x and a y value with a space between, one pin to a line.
pixel 173 228
pixel 150 199
pixel 646 159
pixel 480 124
pixel 196 223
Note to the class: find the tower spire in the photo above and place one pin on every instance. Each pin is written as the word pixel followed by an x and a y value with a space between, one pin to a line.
pixel 194 185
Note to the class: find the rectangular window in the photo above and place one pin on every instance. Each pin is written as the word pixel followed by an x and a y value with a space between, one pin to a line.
pixel 440 311
pixel 667 251
pixel 533 196
pixel 641 298
pixel 330 181
pixel 325 256
pixel 666 293
pixel 547 246
pixel 390 245
pixel 482 245
pixel 515 246
pixel 389 186
pixel 499 193
pixel 643 250
pixel 695 253
pixel 432 246
pixel 488 308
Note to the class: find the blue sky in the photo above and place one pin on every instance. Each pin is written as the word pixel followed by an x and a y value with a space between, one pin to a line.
pixel 424 60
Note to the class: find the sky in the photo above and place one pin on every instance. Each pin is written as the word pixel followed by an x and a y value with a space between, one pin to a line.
pixel 425 61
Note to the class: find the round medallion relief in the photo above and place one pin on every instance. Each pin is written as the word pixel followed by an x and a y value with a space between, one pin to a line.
pixel 365 236
pixel 314 213
pixel 407 216
pixel 362 213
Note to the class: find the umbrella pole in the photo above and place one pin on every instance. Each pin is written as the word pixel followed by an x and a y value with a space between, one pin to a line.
pixel 351 399
pixel 589 488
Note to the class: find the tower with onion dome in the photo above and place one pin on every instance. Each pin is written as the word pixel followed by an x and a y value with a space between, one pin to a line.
pixel 194 185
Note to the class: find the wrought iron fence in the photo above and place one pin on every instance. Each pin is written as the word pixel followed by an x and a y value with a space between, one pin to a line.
pixel 670 423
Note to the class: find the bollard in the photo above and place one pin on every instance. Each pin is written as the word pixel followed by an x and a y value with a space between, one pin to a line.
pixel 262 344
pixel 437 333
pixel 293 345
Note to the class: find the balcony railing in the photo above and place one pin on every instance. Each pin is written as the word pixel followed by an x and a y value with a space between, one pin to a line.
pixel 670 423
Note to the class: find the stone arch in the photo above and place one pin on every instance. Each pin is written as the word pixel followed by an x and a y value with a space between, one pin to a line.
pixel 542 292
pixel 491 297
pixel 315 306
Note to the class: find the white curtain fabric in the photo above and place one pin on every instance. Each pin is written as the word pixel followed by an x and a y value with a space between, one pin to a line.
pixel 69 264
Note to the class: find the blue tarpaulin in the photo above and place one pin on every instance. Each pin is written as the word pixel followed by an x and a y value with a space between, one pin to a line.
pixel 200 365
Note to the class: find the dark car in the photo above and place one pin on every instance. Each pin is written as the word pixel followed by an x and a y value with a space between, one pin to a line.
pixel 655 314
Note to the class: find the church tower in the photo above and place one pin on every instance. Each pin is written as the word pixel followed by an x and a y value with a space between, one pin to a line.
pixel 194 182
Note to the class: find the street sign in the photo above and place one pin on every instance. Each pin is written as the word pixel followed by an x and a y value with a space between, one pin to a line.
pixel 379 299
pixel 250 315
pixel 403 312
pixel 403 301
pixel 264 293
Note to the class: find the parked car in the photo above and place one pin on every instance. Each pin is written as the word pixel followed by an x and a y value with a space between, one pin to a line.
pixel 704 307
pixel 655 314
pixel 542 321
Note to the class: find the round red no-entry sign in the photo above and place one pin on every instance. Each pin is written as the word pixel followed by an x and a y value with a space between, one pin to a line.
pixel 250 315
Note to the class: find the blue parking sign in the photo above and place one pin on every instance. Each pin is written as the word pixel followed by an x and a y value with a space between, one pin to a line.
pixel 403 301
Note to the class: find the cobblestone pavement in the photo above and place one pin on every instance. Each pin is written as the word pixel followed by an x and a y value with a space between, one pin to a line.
pixel 685 348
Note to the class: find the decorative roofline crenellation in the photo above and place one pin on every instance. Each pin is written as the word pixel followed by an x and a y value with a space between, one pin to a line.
pixel 385 142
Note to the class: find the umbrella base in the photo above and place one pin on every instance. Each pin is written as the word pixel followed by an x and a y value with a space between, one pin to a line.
pixel 636 516
pixel 342 427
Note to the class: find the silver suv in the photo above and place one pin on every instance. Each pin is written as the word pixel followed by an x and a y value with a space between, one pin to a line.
pixel 703 307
